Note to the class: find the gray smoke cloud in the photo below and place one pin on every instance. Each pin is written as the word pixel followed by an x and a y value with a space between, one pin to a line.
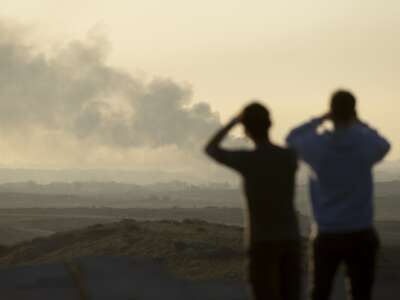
pixel 74 90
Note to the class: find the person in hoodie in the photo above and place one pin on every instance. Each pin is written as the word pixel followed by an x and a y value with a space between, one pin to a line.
pixel 268 173
pixel 341 188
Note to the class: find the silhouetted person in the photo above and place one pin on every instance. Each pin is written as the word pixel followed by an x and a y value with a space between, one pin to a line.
pixel 268 174
pixel 341 187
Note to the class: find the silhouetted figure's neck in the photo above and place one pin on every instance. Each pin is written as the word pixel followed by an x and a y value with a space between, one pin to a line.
pixel 262 141
pixel 343 125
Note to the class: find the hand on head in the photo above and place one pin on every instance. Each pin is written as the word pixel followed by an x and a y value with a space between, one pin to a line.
pixel 237 119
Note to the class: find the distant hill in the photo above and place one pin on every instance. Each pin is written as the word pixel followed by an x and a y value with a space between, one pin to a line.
pixel 45 176
pixel 117 194
pixel 161 195
pixel 386 171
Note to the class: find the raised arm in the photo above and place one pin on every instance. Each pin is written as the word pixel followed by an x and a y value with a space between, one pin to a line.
pixel 234 159
pixel 304 139
pixel 213 147
pixel 302 132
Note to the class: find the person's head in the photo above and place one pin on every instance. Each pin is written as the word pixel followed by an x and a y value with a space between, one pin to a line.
pixel 343 108
pixel 256 121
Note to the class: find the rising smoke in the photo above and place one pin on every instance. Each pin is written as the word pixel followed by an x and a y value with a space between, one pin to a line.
pixel 74 90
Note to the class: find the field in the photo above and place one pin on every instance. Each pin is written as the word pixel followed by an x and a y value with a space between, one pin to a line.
pixel 195 244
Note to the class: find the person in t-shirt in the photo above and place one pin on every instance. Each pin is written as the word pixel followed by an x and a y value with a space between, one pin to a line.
pixel 268 173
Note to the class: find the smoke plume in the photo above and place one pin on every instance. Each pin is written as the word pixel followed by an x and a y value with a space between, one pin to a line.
pixel 74 91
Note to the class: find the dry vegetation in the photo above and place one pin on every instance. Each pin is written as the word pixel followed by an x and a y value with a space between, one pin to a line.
pixel 193 249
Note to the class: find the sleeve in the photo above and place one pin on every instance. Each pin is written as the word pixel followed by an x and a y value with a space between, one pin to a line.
pixel 232 159
pixel 375 146
pixel 306 141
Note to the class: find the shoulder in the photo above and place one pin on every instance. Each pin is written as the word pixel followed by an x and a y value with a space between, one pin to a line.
pixel 285 152
pixel 287 157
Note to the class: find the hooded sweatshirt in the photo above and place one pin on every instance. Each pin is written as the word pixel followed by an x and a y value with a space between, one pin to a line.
pixel 341 182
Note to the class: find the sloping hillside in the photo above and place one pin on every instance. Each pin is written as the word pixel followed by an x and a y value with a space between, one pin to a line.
pixel 192 248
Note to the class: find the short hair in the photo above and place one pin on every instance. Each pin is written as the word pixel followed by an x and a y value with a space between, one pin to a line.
pixel 256 119
pixel 343 106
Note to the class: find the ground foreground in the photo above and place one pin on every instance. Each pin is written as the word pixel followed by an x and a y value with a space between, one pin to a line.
pixel 138 259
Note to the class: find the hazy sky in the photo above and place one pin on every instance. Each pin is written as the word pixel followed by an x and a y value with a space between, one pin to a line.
pixel 290 54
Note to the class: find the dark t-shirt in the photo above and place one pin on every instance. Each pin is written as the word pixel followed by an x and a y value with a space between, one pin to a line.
pixel 268 174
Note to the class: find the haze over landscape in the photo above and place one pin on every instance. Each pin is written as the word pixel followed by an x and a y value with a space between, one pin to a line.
pixel 140 86
pixel 105 109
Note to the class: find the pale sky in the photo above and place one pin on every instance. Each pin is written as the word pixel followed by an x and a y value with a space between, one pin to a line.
pixel 290 54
